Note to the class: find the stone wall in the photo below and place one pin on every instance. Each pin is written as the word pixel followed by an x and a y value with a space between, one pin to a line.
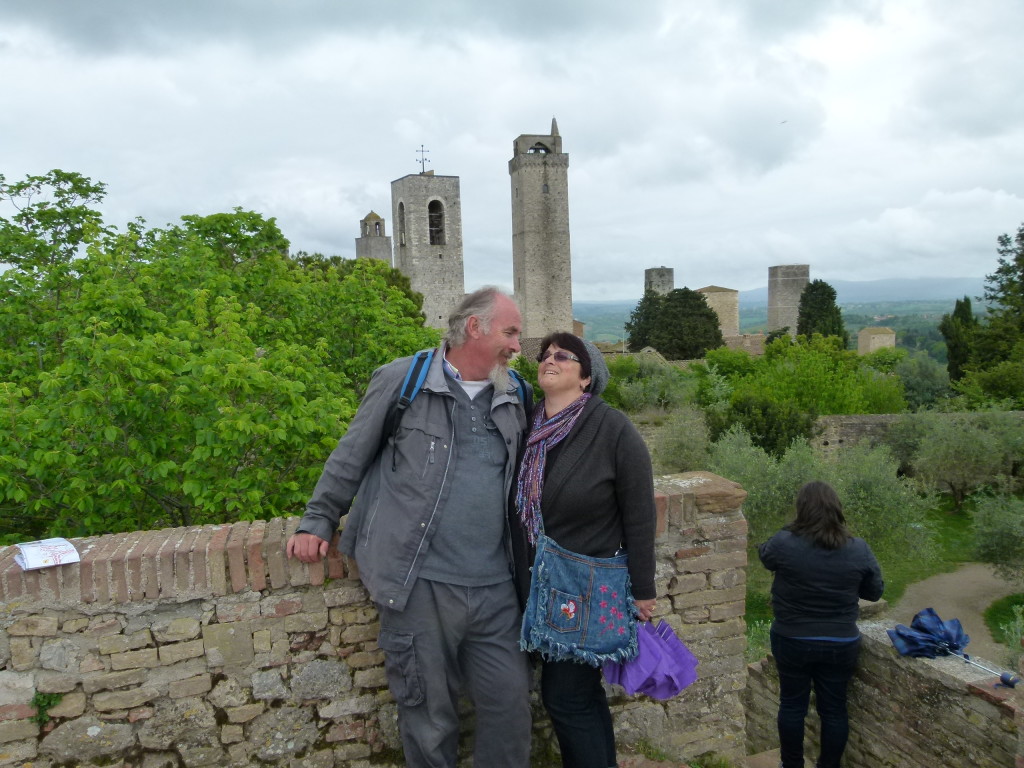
pixel 906 713
pixel 206 646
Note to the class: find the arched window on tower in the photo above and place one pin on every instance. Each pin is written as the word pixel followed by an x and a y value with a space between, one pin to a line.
pixel 377 226
pixel 435 221
pixel 539 149
pixel 401 223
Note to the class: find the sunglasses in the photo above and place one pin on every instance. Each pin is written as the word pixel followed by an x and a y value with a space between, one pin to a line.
pixel 560 355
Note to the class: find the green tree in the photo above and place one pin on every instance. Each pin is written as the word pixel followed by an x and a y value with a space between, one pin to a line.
pixel 958 330
pixel 189 375
pixel 642 321
pixel 964 451
pixel 686 326
pixel 819 313
pixel 925 381
pixel 998 527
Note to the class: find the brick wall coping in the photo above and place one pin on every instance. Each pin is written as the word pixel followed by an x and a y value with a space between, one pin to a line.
pixel 205 561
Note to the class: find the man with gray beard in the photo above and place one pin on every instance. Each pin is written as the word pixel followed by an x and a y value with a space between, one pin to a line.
pixel 426 525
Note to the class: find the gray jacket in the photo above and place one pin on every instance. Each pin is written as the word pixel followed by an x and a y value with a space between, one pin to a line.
pixel 395 488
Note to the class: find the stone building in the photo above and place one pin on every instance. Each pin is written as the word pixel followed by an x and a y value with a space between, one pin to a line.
pixel 659 279
pixel 875 337
pixel 785 284
pixel 426 212
pixel 541 264
pixel 726 303
pixel 372 243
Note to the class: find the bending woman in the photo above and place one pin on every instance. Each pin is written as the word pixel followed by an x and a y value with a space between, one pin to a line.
pixel 587 472
pixel 821 571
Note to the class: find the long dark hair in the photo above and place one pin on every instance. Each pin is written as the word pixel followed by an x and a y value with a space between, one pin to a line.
pixel 819 516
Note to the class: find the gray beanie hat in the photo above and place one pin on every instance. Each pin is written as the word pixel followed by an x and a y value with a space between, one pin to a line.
pixel 598 369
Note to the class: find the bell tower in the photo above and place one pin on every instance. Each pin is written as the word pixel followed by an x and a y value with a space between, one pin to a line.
pixel 541 263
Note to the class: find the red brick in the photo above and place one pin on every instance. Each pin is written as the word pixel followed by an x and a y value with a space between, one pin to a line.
pixel 85 570
pixel 133 564
pixel 254 555
pixel 151 563
pixel 661 508
pixel 16 712
pixel 298 570
pixel 10 575
pixel 236 556
pixel 183 560
pixel 101 568
pixel 215 556
pixel 335 561
pixel 165 561
pixel 117 568
pixel 274 545
pixel 201 582
pixel 31 579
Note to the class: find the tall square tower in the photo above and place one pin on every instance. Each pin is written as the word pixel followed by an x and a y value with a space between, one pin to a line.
pixel 426 217
pixel 541 262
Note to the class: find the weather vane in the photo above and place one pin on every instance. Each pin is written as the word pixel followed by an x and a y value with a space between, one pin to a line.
pixel 422 160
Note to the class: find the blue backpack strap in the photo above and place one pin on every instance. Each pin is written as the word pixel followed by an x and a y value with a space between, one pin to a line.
pixel 525 393
pixel 411 385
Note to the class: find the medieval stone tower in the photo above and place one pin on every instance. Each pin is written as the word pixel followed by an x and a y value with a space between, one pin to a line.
pixel 661 280
pixel 372 243
pixel 785 284
pixel 426 214
pixel 726 303
pixel 541 264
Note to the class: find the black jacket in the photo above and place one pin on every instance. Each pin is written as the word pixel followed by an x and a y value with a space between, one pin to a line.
pixel 598 496
pixel 816 590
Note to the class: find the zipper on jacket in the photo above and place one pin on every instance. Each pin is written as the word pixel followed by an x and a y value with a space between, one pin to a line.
pixel 440 491
pixel 430 456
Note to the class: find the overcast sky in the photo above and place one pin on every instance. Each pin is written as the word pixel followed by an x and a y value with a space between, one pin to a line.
pixel 866 138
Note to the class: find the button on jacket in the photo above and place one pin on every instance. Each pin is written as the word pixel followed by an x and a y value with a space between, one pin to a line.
pixel 394 488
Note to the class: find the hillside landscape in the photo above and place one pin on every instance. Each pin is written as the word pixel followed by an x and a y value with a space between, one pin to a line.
pixel 897 302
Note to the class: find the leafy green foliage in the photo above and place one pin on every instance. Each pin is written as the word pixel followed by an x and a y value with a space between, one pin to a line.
pixel 958 330
pixel 181 376
pixel 819 313
pixel 962 452
pixel 777 398
pixel 679 324
pixel 681 443
pixel 639 382
pixel 999 534
pixel 865 479
pixel 925 381
pixel 44 702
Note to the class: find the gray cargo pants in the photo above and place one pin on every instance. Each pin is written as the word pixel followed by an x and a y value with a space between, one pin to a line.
pixel 446 638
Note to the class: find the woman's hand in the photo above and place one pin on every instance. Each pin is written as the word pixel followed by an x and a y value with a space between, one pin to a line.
pixel 645 609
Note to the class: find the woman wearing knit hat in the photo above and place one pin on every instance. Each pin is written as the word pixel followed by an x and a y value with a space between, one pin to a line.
pixel 585 479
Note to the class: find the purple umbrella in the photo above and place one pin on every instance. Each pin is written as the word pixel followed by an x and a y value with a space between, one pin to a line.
pixel 663 666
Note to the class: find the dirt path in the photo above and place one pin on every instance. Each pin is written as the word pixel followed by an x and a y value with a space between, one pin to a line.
pixel 963 594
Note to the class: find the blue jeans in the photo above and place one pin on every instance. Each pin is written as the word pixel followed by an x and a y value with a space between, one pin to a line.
pixel 828 667
pixel 578 708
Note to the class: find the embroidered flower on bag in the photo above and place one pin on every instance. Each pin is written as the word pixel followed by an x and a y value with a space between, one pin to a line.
pixel 569 609
pixel 612 619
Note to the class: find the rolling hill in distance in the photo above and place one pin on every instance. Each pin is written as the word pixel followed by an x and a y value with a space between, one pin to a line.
pixel 926 296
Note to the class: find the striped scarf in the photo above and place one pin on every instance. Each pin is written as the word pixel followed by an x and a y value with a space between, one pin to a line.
pixel 543 435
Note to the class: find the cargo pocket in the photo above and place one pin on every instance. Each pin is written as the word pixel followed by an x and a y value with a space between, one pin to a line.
pixel 402 667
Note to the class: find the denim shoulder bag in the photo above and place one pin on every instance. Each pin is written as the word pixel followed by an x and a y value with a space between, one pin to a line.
pixel 580 608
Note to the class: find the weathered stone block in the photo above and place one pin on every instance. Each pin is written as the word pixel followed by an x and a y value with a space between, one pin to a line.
pixel 321 679
pixel 64 655
pixel 231 734
pixel 34 626
pixel 305 622
pixel 109 701
pixel 87 739
pixel 229 644
pixel 176 630
pixel 175 652
pixel 193 686
pixel 15 730
pixel 282 732
pixel 142 659
pixel 109 644
pixel 268 685
pixel 16 688
pixel 113 680
pixel 70 705
pixel 244 713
